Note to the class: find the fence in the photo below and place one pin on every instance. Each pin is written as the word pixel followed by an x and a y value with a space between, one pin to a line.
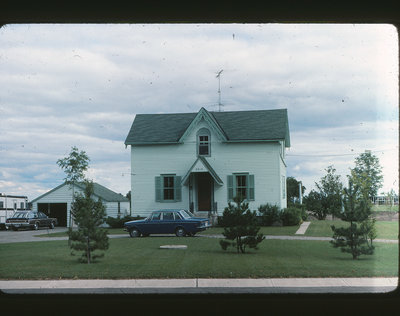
pixel 385 200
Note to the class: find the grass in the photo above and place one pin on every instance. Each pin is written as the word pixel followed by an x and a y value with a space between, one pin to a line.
pixel 385 229
pixel 111 231
pixel 276 231
pixel 141 258
pixel 283 231
pixel 385 208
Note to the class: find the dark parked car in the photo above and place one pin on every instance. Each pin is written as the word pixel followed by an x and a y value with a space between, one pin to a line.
pixel 30 219
pixel 179 222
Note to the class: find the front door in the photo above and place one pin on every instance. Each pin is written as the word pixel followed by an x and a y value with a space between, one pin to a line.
pixel 204 189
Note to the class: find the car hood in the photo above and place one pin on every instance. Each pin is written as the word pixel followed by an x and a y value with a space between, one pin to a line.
pixel 135 222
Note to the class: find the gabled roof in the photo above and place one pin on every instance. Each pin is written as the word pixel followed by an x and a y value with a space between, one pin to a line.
pixel 203 114
pixel 201 161
pixel 98 190
pixel 235 126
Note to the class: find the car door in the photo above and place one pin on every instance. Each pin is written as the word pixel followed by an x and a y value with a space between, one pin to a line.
pixel 152 226
pixel 167 223
pixel 43 219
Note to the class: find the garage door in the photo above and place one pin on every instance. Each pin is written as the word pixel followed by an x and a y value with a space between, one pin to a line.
pixel 57 210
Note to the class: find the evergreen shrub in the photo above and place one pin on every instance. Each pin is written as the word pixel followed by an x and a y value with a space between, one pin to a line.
pixel 291 216
pixel 270 214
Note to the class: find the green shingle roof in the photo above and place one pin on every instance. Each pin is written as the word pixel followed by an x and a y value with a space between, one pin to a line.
pixel 105 194
pixel 260 125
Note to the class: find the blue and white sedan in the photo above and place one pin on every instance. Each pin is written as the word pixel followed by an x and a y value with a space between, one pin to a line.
pixel 178 222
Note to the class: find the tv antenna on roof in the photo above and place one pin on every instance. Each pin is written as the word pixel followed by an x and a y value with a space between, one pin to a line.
pixel 219 89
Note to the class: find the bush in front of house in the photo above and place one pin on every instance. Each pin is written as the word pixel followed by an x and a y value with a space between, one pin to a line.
pixel 270 214
pixel 302 208
pixel 118 222
pixel 291 216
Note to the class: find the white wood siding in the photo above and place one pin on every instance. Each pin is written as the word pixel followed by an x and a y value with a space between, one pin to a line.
pixel 263 159
pixel 112 209
pixel 61 195
pixel 64 195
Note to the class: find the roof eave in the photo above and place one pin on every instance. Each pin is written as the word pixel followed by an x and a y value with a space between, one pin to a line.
pixel 152 143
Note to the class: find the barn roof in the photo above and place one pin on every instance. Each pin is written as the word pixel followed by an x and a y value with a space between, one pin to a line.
pixel 236 126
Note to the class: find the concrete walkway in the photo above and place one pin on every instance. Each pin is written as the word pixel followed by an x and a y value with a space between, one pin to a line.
pixel 303 228
pixel 274 285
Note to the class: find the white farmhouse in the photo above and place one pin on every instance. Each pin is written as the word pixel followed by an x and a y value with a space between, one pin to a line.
pixel 57 202
pixel 200 161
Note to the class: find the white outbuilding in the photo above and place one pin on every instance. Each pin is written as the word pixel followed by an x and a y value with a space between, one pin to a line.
pixel 57 202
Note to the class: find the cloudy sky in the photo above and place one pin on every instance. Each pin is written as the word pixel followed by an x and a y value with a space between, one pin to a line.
pixel 81 85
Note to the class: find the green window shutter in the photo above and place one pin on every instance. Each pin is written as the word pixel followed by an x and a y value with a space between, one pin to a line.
pixel 158 189
pixel 177 189
pixel 251 187
pixel 230 187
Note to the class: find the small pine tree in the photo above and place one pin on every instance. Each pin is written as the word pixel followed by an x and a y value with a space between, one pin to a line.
pixel 240 227
pixel 357 238
pixel 88 215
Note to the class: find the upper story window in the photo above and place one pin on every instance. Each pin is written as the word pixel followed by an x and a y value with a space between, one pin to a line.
pixel 203 142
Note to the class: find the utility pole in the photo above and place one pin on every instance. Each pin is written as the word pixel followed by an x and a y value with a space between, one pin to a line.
pixel 219 89
pixel 300 194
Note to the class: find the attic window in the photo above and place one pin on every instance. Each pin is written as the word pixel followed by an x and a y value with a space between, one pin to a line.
pixel 203 142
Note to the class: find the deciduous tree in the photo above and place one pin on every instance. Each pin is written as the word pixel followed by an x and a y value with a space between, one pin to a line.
pixel 292 186
pixel 331 188
pixel 74 167
pixel 367 174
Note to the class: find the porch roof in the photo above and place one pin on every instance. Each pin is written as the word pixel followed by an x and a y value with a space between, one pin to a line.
pixel 206 167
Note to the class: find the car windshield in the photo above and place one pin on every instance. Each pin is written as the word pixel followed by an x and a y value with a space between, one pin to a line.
pixel 189 213
pixel 20 215
pixel 184 214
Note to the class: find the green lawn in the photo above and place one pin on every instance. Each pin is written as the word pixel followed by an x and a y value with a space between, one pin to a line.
pixel 286 230
pixel 142 258
pixel 276 231
pixel 111 231
pixel 385 208
pixel 385 229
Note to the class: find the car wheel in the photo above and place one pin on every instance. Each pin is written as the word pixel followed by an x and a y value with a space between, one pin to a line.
pixel 51 225
pixel 134 233
pixel 36 226
pixel 180 232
